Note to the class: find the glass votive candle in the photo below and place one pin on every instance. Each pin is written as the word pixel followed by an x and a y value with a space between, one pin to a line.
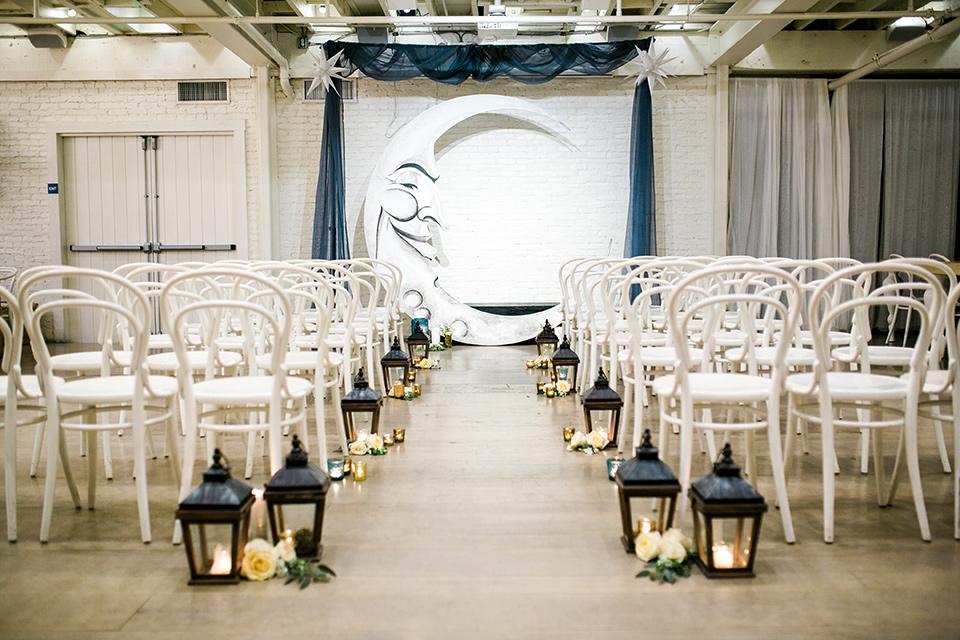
pixel 388 439
pixel 567 434
pixel 335 468
pixel 347 466
pixel 612 465
pixel 645 525
pixel 399 434
pixel 398 390
pixel 551 390
pixel 531 364
pixel 359 471
pixel 411 376
pixel 540 388
pixel 416 389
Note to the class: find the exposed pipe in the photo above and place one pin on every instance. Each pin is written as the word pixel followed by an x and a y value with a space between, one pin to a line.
pixel 475 20
pixel 888 57
pixel 261 41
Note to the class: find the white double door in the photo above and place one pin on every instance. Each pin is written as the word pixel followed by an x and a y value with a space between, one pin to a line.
pixel 147 198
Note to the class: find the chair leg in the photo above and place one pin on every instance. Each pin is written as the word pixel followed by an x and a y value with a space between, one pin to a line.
pixel 189 459
pixel 90 438
pixel 791 434
pixel 864 450
pixel 171 444
pixel 338 418
pixel 37 446
pixel 53 424
pixel 879 468
pixel 10 470
pixel 686 452
pixel 829 451
pixel 140 469
pixel 274 440
pixel 107 455
pixel 913 466
pixel 776 461
pixel 941 443
pixel 627 406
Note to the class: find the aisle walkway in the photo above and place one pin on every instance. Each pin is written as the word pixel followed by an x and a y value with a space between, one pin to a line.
pixel 482 526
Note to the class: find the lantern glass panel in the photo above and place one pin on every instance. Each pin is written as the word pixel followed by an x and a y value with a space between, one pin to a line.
pixel 725 543
pixel 361 422
pixel 650 514
pixel 296 523
pixel 545 349
pixel 564 373
pixel 210 548
pixel 603 420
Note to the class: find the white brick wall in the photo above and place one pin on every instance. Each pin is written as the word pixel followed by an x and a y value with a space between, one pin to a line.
pixel 518 202
pixel 27 109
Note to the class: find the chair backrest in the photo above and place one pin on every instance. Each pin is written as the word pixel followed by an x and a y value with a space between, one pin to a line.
pixel 46 291
pixel 11 331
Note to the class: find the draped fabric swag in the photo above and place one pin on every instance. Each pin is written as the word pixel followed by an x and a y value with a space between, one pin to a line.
pixel 454 64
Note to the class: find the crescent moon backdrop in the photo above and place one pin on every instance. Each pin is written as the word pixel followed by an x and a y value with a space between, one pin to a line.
pixel 405 221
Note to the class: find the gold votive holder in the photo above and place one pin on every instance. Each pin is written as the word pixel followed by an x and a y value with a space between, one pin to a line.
pixel 399 434
pixel 398 390
pixel 359 471
pixel 411 376
pixel 540 388
pixel 347 466
pixel 531 364
pixel 416 389
pixel 388 439
pixel 645 525
pixel 551 390
pixel 567 434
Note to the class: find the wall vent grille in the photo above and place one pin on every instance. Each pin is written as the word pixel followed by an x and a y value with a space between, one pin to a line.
pixel 348 91
pixel 215 91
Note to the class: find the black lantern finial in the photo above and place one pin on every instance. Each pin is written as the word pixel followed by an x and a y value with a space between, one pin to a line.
pixel 297 456
pixel 546 340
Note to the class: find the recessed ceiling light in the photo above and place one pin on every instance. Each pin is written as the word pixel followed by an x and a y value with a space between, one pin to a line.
pixel 71 13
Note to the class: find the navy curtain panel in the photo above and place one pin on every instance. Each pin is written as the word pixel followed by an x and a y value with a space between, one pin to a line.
pixel 454 64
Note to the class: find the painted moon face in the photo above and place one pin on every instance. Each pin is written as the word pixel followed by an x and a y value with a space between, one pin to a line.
pixel 403 205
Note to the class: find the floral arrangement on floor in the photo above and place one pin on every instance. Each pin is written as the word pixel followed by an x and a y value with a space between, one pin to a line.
pixel 365 444
pixel 589 443
pixel 263 561
pixel 437 346
pixel 541 362
pixel 667 556
pixel 563 387
pixel 427 363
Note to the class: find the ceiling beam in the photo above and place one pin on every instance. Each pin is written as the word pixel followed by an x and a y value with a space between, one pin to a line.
pixel 731 43
pixel 821 5
pixel 227 34
pixel 861 5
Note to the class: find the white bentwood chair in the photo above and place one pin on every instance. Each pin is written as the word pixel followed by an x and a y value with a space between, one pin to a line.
pixel 131 399
pixel 863 399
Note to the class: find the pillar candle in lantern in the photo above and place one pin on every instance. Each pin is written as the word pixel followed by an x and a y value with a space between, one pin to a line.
pixel 221 559
pixel 722 557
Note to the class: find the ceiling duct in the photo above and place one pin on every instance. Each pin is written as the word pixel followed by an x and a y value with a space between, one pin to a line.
pixel 48 38
pixel 619 32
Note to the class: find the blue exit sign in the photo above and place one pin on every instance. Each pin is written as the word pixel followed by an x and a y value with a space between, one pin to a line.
pixel 53 187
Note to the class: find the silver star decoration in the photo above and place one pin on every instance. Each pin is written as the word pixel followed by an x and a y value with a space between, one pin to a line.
pixel 325 70
pixel 651 67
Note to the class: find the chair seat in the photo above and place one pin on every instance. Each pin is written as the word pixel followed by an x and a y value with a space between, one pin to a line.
pixel 30 384
pixel 935 382
pixel 86 361
pixel 197 360
pixel 247 390
pixel 718 387
pixel 835 337
pixel 795 357
pixel 300 360
pixel 879 355
pixel 113 389
pixel 666 356
pixel 851 385
pixel 158 341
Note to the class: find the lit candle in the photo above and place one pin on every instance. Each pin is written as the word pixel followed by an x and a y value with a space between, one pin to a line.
pixel 411 376
pixel 644 525
pixel 567 434
pixel 540 387
pixel 288 536
pixel 222 564
pixel 722 557
pixel 612 465
pixel 336 469
pixel 531 364
pixel 361 435
pixel 258 515
pixel 346 466
pixel 399 434
pixel 359 471
pixel 398 389
pixel 388 439
pixel 416 389
pixel 551 390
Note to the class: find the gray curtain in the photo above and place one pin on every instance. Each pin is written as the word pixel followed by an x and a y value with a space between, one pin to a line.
pixel 904 167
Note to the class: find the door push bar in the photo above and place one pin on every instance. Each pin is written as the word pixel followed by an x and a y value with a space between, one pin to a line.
pixel 151 247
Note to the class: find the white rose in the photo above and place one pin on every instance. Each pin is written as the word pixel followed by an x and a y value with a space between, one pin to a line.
pixel 257 544
pixel 285 551
pixel 676 535
pixel 359 448
pixel 672 550
pixel 374 441
pixel 578 440
pixel 563 387
pixel 597 439
pixel 647 546
pixel 259 564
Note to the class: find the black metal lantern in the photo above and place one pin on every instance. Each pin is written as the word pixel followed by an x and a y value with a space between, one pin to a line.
pixel 546 340
pixel 295 498
pixel 418 345
pixel 361 408
pixel 601 408
pixel 565 364
pixel 395 359
pixel 646 476
pixel 727 513
pixel 216 519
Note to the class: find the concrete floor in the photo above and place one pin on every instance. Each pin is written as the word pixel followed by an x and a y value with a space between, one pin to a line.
pixel 483 526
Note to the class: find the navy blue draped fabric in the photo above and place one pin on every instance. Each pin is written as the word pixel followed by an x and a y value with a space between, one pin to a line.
pixel 329 219
pixel 454 64
pixel 641 237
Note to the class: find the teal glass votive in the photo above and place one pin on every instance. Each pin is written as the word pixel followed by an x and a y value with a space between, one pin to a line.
pixel 335 468
pixel 612 465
